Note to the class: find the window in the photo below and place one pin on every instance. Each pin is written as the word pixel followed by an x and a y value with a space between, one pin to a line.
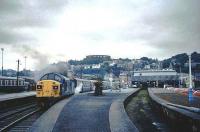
pixel 51 76
pixel 44 77
pixel 10 82
pixel 14 82
pixel 58 78
pixel 21 83
pixel 6 82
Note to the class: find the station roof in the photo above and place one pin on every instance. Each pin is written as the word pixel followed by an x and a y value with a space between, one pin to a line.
pixel 155 73
pixel 10 78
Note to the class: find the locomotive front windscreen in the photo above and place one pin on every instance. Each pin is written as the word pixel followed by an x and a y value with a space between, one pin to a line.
pixel 52 76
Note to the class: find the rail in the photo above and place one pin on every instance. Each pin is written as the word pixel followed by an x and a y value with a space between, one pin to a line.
pixel 16 117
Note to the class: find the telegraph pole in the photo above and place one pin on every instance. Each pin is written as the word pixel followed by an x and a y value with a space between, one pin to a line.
pixel 17 72
pixel 25 57
pixel 2 49
pixel 180 81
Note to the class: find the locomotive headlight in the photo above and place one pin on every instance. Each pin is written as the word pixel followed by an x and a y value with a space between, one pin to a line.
pixel 55 87
pixel 39 87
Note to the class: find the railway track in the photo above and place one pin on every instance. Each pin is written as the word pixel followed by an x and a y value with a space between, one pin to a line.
pixel 13 120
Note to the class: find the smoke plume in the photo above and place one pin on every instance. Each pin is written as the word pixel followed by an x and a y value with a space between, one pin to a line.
pixel 41 59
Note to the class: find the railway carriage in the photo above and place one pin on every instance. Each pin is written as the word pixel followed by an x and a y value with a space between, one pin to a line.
pixel 9 84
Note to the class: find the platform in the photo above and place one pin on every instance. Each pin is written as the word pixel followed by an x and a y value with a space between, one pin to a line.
pixel 177 108
pixel 175 97
pixel 87 113
pixel 11 96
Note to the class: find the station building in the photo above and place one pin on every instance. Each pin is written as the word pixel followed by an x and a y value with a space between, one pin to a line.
pixel 102 57
pixel 156 78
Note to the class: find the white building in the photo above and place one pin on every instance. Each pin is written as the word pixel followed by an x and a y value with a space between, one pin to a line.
pixel 154 75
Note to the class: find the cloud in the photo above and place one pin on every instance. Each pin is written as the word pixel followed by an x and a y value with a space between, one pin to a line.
pixel 41 60
pixel 21 22
pixel 75 28
pixel 175 26
pixel 17 15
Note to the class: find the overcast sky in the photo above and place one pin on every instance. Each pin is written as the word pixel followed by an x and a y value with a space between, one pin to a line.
pixel 48 31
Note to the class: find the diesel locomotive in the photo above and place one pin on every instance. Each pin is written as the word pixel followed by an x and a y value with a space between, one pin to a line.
pixel 54 86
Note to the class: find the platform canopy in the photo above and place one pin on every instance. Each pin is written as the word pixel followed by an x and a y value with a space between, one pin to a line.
pixel 155 75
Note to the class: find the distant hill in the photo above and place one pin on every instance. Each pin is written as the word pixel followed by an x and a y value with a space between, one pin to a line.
pixel 91 59
pixel 178 62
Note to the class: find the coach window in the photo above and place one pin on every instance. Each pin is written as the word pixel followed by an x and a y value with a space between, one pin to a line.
pixel 21 83
pixel 1 84
pixel 6 82
pixel 9 82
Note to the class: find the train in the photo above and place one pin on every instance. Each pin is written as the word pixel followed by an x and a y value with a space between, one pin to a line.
pixel 9 84
pixel 52 87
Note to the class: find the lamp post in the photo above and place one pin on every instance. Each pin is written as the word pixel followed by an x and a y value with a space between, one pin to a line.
pixel 190 94
pixel 2 49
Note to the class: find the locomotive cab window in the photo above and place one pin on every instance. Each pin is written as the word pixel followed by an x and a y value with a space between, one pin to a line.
pixel 44 77
pixel 58 78
pixel 51 77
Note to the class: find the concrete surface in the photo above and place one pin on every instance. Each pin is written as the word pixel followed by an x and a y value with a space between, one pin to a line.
pixel 119 120
pixel 47 121
pixel 87 113
pixel 187 111
pixel 11 96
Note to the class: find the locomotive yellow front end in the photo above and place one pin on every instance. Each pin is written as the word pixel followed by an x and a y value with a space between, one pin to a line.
pixel 47 91
pixel 48 88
